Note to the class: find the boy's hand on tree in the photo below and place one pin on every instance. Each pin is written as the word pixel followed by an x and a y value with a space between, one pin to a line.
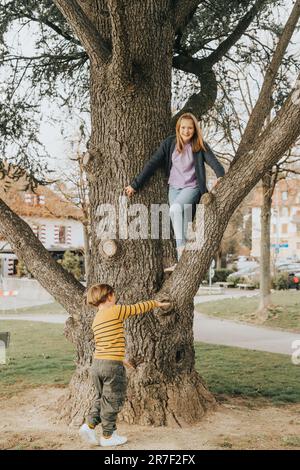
pixel 163 305
pixel 129 191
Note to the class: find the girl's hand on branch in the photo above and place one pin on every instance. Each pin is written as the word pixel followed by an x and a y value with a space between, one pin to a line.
pixel 216 183
pixel 129 191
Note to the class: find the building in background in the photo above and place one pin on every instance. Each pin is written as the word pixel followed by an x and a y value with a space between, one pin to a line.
pixel 56 222
pixel 285 221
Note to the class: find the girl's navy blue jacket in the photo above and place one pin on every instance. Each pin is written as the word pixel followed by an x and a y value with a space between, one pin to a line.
pixel 162 158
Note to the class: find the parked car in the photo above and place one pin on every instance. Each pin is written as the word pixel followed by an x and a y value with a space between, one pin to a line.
pixel 250 272
pixel 289 267
pixel 294 281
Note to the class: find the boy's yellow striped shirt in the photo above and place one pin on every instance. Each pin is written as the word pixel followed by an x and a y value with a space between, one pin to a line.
pixel 108 328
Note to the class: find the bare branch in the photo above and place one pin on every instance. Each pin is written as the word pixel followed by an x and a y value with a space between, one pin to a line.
pixel 264 102
pixel 53 26
pixel 95 46
pixel 63 58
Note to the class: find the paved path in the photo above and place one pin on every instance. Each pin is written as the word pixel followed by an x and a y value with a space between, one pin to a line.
pixel 12 303
pixel 230 294
pixel 230 333
pixel 46 318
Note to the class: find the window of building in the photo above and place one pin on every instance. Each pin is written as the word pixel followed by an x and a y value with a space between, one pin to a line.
pixel 62 234
pixel 284 195
pixel 284 228
pixel 38 231
pixel 34 199
pixel 285 212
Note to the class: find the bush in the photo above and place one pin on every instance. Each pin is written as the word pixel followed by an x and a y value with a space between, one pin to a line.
pixel 221 275
pixel 244 280
pixel 71 263
pixel 235 280
pixel 281 281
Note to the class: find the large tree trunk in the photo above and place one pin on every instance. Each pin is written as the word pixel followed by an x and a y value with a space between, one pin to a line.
pixel 127 126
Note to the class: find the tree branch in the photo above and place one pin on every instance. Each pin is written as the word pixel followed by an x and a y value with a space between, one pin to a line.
pixel 184 10
pixel 202 68
pixel 62 285
pixel 200 103
pixel 244 23
pixel 217 207
pixel 120 43
pixel 79 56
pixel 51 25
pixel 94 44
pixel 264 102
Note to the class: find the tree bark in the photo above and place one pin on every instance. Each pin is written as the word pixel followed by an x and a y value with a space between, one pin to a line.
pixel 87 257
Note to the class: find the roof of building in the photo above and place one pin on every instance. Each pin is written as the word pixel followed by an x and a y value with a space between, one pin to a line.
pixel 42 202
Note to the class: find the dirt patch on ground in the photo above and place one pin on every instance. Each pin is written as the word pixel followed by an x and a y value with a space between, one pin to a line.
pixel 30 421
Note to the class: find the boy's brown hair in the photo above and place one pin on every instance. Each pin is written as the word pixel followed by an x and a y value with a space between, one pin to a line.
pixel 98 294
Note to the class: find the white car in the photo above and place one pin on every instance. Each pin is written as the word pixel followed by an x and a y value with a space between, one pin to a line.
pixel 250 272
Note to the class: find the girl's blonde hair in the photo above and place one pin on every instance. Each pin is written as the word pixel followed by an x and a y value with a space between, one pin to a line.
pixel 98 294
pixel 197 139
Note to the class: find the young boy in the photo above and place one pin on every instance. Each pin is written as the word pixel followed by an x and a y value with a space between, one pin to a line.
pixel 107 371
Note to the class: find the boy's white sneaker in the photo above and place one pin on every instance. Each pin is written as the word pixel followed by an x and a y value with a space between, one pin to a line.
pixel 114 440
pixel 88 435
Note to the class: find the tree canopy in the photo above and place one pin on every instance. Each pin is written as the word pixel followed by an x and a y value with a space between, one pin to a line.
pixel 212 42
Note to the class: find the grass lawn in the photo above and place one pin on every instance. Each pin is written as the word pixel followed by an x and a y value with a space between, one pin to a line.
pixel 284 314
pixel 39 354
pixel 241 372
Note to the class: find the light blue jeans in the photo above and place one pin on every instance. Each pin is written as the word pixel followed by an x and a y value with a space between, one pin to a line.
pixel 181 202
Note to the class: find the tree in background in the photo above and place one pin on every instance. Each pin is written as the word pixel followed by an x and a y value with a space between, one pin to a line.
pixel 73 186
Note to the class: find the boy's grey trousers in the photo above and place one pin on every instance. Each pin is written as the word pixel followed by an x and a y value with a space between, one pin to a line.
pixel 109 378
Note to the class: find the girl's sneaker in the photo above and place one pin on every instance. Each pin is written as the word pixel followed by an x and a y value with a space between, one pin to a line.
pixel 88 435
pixel 113 440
